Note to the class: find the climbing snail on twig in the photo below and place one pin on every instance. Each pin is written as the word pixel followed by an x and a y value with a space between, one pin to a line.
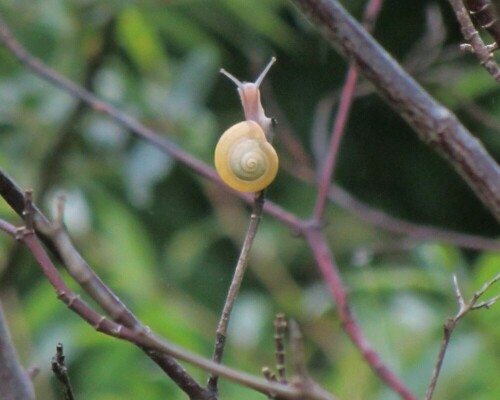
pixel 244 157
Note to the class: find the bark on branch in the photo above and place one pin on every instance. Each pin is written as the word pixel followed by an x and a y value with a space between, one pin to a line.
pixel 437 126
pixel 14 381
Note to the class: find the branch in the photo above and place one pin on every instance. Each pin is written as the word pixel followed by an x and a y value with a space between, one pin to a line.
pixel 61 372
pixel 400 226
pixel 303 171
pixel 235 285
pixel 475 43
pixel 143 338
pixel 317 242
pixel 132 125
pixel 437 126
pixel 50 165
pixel 346 98
pixel 463 309
pixel 14 381
pixel 280 327
pixel 329 270
pixel 60 244
pixel 483 12
pixel 300 379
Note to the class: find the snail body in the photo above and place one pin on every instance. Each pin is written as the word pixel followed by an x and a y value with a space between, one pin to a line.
pixel 244 159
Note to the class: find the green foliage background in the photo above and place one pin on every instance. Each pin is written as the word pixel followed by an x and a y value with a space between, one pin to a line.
pixel 167 240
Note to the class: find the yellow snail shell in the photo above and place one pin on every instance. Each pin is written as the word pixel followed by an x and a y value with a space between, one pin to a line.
pixel 244 159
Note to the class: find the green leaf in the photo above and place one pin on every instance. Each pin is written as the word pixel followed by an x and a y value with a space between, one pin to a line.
pixel 140 39
pixel 129 256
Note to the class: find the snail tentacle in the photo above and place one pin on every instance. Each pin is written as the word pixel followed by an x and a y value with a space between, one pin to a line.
pixel 244 157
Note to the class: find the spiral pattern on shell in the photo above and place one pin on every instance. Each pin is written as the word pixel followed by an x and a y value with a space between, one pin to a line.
pixel 244 159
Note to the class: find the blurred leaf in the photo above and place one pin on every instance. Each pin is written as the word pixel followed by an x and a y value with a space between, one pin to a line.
pixel 182 30
pixel 130 259
pixel 262 18
pixel 475 84
pixel 485 269
pixel 146 165
pixel 438 258
pixel 140 39
pixel 186 250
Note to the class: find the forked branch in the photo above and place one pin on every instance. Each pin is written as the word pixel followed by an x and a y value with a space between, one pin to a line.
pixel 437 126
pixel 149 340
pixel 143 338
pixel 464 307
pixel 474 41
pixel 58 241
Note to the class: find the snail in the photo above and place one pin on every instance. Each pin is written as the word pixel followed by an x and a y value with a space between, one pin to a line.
pixel 244 157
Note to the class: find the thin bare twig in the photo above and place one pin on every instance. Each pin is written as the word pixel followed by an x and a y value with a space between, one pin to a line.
pixel 338 130
pixel 463 309
pixel 297 345
pixel 61 372
pixel 235 285
pixel 300 379
pixel 254 111
pixel 280 327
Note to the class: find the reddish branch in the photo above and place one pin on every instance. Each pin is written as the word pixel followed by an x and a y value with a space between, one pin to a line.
pixel 333 280
pixel 345 103
pixel 338 130
pixel 59 243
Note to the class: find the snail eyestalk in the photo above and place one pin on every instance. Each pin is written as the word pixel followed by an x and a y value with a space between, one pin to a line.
pixel 265 71
pixel 250 99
